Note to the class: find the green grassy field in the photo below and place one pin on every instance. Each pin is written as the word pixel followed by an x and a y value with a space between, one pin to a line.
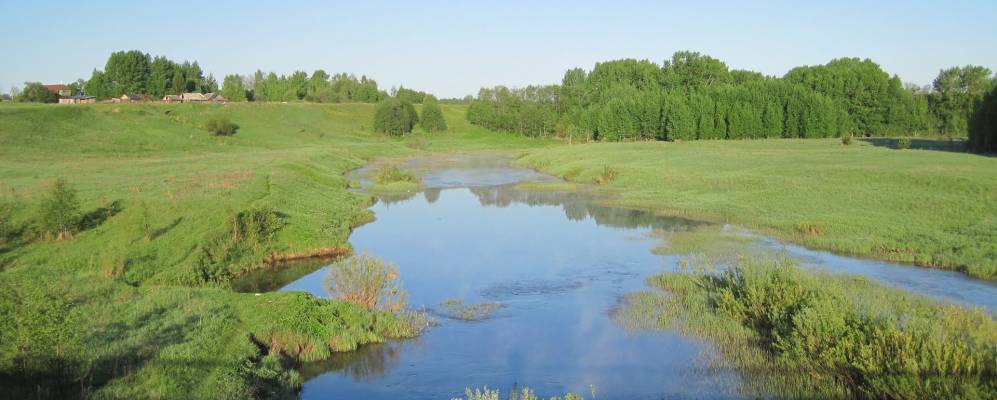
pixel 931 208
pixel 121 312
pixel 114 313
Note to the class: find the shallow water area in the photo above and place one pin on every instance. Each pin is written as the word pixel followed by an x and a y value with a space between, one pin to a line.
pixel 557 263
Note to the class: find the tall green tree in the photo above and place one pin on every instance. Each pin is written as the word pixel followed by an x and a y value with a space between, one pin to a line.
pixel 127 72
pixel 983 124
pixel 432 116
pixel 395 117
pixel 233 88
pixel 955 93
pixel 161 72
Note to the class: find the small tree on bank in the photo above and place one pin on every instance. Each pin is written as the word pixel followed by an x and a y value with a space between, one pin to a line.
pixel 395 117
pixel 432 116
pixel 59 211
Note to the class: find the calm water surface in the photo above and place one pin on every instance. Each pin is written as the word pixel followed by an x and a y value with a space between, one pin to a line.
pixel 557 263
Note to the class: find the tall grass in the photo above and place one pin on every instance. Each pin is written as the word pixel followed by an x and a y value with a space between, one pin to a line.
pixel 366 281
pixel 798 334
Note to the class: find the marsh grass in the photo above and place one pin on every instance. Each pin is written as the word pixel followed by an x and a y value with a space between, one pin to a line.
pixel 390 173
pixel 390 179
pixel 458 309
pixel 797 334
pixel 607 176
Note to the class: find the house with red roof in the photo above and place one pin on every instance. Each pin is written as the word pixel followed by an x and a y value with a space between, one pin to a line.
pixel 61 90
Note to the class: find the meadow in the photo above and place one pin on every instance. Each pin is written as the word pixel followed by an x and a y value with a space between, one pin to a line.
pixel 924 207
pixel 140 301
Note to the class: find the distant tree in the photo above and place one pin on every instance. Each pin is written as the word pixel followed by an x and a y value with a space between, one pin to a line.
pixel 955 93
pixel 432 119
pixel 409 95
pixel 35 92
pixel 209 84
pixel 97 86
pixel 395 117
pixel 983 124
pixel 59 211
pixel 233 88
pixel 127 72
pixel 78 86
pixel 161 72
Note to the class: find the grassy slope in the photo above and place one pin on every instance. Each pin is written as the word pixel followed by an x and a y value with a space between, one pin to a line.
pixel 926 207
pixel 160 330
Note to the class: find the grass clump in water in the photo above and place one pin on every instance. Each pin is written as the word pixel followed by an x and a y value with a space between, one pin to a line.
pixel 458 309
pixel 390 178
pixel 797 334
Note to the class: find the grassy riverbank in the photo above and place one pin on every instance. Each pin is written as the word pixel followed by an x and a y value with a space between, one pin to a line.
pixel 137 304
pixel 931 208
pixel 797 334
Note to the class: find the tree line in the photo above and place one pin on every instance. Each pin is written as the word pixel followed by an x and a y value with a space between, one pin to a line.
pixel 694 96
pixel 135 72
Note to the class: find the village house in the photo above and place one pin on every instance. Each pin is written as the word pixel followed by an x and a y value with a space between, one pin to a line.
pixel 77 99
pixel 195 98
pixel 5 97
pixel 203 98
pixel 130 98
pixel 61 90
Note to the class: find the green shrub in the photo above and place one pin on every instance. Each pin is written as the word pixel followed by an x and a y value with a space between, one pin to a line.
pixel 432 117
pixel 221 127
pixel 395 117
pixel 903 143
pixel 366 281
pixel 846 140
pixel 59 211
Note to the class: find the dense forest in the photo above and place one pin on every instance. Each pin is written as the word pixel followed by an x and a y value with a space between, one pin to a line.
pixel 135 72
pixel 695 96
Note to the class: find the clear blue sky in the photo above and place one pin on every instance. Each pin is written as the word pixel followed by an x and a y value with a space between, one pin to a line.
pixel 453 48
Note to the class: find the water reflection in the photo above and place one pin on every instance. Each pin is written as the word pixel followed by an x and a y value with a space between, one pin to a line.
pixel 557 263
pixel 366 364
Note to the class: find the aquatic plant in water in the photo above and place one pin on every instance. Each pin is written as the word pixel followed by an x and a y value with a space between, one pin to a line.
pixel 458 309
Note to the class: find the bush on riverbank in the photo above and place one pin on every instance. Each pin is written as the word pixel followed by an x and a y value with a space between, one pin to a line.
pixel 804 334
pixel 366 281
